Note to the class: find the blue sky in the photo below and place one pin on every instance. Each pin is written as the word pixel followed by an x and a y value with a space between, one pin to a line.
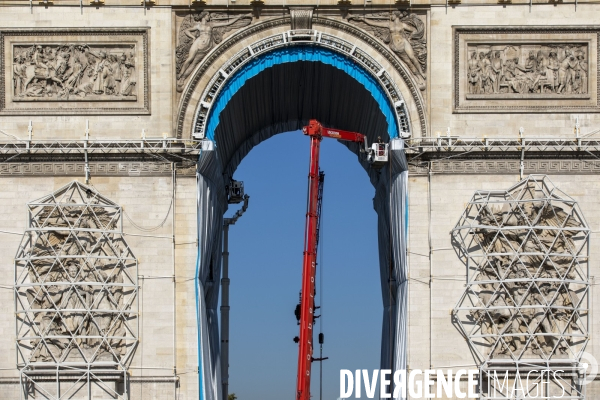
pixel 266 248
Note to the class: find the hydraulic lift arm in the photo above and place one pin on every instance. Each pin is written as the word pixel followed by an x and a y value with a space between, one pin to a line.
pixel 316 132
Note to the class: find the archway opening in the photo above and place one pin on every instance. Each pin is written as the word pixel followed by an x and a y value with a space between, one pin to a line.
pixel 277 94
pixel 265 270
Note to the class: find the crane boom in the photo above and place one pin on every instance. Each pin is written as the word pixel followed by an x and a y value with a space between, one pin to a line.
pixel 316 132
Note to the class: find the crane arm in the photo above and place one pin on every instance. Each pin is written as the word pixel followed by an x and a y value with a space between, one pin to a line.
pixel 314 128
pixel 316 132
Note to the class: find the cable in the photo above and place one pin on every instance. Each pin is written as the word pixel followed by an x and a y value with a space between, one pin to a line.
pixel 13 136
pixel 141 228
pixel 322 244
pixel 153 228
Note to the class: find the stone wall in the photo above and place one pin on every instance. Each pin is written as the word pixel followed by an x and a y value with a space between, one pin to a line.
pixel 147 202
pixel 436 204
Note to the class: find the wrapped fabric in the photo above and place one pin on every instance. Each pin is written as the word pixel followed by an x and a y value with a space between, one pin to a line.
pixel 212 204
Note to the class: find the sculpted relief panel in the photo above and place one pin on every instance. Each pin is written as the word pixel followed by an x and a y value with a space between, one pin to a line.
pixel 518 69
pixel 528 71
pixel 402 32
pixel 74 71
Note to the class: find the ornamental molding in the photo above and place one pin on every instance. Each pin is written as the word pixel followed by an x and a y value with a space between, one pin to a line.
pixel 83 69
pixel 507 167
pixel 96 169
pixel 539 69
pixel 234 39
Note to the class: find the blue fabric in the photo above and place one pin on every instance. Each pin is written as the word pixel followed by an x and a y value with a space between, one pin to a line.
pixel 294 54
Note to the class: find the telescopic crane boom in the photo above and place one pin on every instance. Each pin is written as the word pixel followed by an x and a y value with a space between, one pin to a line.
pixel 316 132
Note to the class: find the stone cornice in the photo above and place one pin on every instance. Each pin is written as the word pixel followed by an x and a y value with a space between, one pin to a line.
pixel 478 167
pixel 96 169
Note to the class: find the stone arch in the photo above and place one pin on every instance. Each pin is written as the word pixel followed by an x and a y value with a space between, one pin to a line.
pixel 379 110
pixel 397 73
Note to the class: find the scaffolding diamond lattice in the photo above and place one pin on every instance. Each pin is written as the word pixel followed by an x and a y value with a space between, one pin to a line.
pixel 75 297
pixel 526 302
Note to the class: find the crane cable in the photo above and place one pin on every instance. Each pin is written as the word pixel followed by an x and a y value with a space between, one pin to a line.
pixel 321 246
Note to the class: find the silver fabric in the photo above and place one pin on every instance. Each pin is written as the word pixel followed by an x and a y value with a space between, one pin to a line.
pixel 390 202
pixel 212 204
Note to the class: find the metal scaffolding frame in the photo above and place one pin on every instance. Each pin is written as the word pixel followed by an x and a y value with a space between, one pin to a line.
pixel 454 144
pixel 76 302
pixel 190 148
pixel 13 148
pixel 526 303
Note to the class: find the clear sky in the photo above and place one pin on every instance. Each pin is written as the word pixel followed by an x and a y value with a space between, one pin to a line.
pixel 266 248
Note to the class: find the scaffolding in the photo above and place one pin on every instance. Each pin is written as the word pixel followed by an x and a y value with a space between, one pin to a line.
pixel 76 302
pixel 452 144
pixel 526 306
pixel 97 147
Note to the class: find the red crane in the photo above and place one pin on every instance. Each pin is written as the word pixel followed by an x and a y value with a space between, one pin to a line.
pixel 316 132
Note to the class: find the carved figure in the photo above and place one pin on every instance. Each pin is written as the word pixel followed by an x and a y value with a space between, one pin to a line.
pixel 102 72
pixel 496 66
pixel 19 75
pixel 487 77
pixel 474 74
pixel 128 81
pixel 405 35
pixel 581 73
pixel 198 34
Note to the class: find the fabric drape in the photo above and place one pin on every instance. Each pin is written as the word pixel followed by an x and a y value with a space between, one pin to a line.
pixel 390 203
pixel 212 203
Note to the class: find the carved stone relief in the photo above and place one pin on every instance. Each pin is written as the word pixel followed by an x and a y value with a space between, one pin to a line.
pixel 526 250
pixel 74 71
pixel 521 69
pixel 70 72
pixel 76 283
pixel 528 71
pixel 197 35
pixel 405 35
